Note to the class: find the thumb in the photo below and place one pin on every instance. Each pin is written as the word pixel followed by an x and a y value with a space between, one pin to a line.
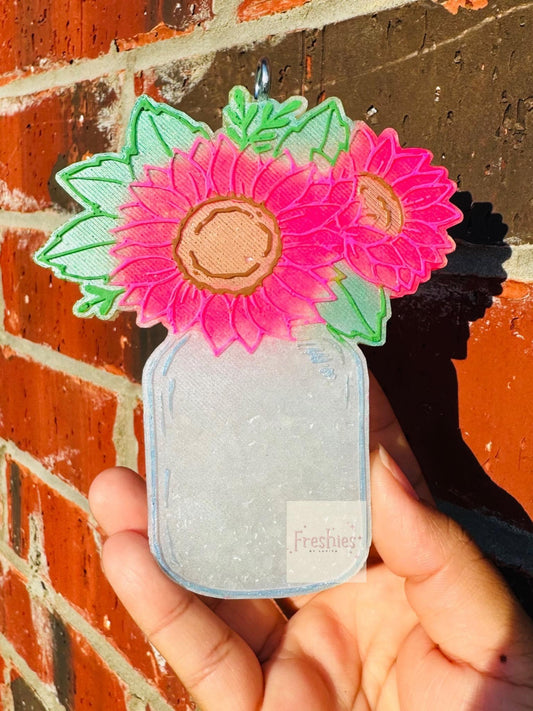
pixel 461 601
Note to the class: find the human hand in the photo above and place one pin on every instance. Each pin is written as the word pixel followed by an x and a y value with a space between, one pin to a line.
pixel 434 627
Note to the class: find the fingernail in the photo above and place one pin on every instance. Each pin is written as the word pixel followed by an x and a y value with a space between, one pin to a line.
pixel 389 463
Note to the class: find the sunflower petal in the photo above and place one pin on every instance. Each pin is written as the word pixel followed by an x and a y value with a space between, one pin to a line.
pixel 184 307
pixel 268 174
pixel 188 177
pixel 248 331
pixel 289 189
pixel 303 283
pixel 143 270
pixel 221 166
pixel 280 296
pixel 217 323
pixel 268 317
pixel 162 202
pixel 383 155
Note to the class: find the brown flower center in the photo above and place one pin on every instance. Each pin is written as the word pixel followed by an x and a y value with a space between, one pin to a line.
pixel 228 245
pixel 381 206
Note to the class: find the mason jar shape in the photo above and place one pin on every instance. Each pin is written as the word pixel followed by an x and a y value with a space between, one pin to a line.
pixel 257 464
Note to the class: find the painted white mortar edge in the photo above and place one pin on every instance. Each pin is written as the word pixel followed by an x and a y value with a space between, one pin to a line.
pixel 221 33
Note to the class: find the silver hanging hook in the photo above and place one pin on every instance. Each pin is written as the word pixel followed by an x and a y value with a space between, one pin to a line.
pixel 262 80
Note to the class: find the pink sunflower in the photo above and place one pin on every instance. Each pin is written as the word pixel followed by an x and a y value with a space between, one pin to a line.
pixel 400 235
pixel 231 243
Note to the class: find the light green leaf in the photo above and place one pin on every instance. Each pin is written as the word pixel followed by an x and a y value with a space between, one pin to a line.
pixel 320 135
pixel 101 182
pixel 155 130
pixel 259 124
pixel 361 310
pixel 98 300
pixel 79 250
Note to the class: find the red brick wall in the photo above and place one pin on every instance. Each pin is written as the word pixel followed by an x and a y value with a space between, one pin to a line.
pixel 69 388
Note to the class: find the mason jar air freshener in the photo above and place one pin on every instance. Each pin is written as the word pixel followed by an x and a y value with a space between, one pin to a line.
pixel 269 249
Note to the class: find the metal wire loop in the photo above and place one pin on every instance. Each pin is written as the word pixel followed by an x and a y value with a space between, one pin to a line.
pixel 262 80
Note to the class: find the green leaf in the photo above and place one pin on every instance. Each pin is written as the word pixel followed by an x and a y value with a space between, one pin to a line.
pixel 100 183
pixel 259 124
pixel 361 310
pixel 155 130
pixel 97 300
pixel 319 135
pixel 79 250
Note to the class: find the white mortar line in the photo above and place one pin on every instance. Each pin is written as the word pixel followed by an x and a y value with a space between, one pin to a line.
pixel 43 220
pixel 225 11
pixel 127 98
pixel 79 71
pixel 45 692
pixel 519 265
pixel 67 491
pixel 136 704
pixel 6 697
pixel 222 33
pixel 53 601
pixel 126 445
pixel 65 364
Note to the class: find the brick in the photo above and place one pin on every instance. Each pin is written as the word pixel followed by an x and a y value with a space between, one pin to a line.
pixel 496 402
pixel 62 659
pixel 39 307
pixel 24 697
pixel 37 33
pixel 457 377
pixel 24 622
pixel 82 678
pixel 253 9
pixel 62 421
pixel 90 683
pixel 71 549
pixel 453 6
pixel 138 428
pixel 51 130
pixel 170 20
pixel 20 505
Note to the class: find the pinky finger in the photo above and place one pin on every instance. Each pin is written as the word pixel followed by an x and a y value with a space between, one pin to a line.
pixel 215 664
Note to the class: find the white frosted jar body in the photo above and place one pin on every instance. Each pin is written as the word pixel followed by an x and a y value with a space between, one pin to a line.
pixel 257 464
